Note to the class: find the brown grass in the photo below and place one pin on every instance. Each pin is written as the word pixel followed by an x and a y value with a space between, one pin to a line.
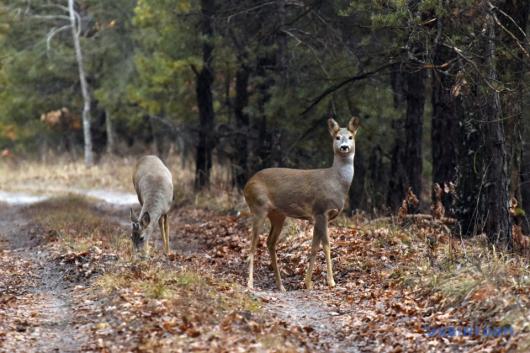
pixel 477 283
pixel 114 173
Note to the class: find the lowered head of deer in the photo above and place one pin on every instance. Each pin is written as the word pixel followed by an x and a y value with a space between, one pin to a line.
pixel 154 188
pixel 317 194
pixel 140 227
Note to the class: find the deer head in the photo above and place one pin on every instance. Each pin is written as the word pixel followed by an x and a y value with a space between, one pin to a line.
pixel 343 138
pixel 139 229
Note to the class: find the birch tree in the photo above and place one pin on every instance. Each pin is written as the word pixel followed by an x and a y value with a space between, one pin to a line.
pixel 75 24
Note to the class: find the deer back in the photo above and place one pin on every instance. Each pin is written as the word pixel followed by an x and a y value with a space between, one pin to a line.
pixel 153 184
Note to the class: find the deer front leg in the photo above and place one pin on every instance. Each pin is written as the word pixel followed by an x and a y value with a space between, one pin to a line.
pixel 321 223
pixel 276 228
pixel 309 274
pixel 327 253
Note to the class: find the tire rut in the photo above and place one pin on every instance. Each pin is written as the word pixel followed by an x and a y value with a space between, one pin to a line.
pixel 37 303
pixel 302 308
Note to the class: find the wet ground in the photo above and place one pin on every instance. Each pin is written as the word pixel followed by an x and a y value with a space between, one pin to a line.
pixel 111 197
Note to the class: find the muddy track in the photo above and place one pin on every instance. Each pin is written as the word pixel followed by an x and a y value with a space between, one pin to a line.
pixel 302 308
pixel 39 314
pixel 44 315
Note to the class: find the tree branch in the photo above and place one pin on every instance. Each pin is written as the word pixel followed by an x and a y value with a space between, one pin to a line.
pixel 341 84
pixel 52 33
pixel 194 69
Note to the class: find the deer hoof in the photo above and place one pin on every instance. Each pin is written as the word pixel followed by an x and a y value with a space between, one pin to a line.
pixel 309 284
pixel 331 283
pixel 281 288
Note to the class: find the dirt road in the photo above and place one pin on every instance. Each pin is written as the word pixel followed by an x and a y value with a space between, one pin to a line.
pixel 43 311
pixel 37 305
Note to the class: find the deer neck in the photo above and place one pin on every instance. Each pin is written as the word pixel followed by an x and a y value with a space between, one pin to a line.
pixel 154 208
pixel 343 169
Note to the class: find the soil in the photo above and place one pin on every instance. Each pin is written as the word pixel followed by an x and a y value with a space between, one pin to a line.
pixel 43 308
pixel 42 319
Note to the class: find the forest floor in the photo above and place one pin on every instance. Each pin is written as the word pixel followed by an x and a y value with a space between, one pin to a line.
pixel 70 283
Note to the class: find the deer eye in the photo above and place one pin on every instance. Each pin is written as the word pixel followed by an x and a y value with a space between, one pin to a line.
pixel 351 137
pixel 337 138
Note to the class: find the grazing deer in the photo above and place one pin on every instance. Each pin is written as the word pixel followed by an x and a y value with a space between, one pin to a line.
pixel 317 194
pixel 154 186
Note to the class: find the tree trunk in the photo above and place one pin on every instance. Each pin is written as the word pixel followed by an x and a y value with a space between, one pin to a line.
pixel 241 169
pixel 406 163
pixel 76 32
pixel 483 178
pixel 396 83
pixel 415 97
pixel 444 125
pixel 204 84
pixel 511 67
pixel 498 224
pixel 469 162
pixel 262 148
pixel 525 186
pixel 110 133
pixel 271 72
pixel 407 160
pixel 398 181
pixel 376 183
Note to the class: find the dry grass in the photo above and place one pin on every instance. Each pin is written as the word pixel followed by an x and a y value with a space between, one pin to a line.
pixel 473 282
pixel 476 283
pixel 112 173
pixel 62 173
pixel 61 176
pixel 76 223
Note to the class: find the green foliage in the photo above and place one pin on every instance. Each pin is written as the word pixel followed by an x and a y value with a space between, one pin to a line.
pixel 142 58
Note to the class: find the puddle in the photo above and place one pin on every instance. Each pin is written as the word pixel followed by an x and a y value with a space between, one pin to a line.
pixel 18 198
pixel 111 197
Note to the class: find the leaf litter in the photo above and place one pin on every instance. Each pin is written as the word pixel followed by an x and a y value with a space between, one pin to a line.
pixel 394 281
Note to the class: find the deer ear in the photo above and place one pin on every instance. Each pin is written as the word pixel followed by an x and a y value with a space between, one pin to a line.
pixel 333 126
pixel 353 125
pixel 146 219
pixel 133 217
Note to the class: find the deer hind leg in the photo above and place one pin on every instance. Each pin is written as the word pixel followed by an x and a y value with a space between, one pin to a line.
pixel 258 220
pixel 166 230
pixel 277 221
pixel 162 232
pixel 166 225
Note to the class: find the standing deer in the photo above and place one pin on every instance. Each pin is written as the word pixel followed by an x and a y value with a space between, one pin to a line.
pixel 317 194
pixel 154 186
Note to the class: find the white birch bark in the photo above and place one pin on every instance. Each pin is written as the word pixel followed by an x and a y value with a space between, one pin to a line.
pixel 76 31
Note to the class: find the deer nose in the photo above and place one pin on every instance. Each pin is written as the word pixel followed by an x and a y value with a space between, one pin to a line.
pixel 344 148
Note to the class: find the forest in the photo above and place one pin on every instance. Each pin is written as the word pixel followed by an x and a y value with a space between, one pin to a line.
pixel 220 90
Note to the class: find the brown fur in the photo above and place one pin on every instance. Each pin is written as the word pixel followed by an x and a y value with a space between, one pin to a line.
pixel 154 186
pixel 317 194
